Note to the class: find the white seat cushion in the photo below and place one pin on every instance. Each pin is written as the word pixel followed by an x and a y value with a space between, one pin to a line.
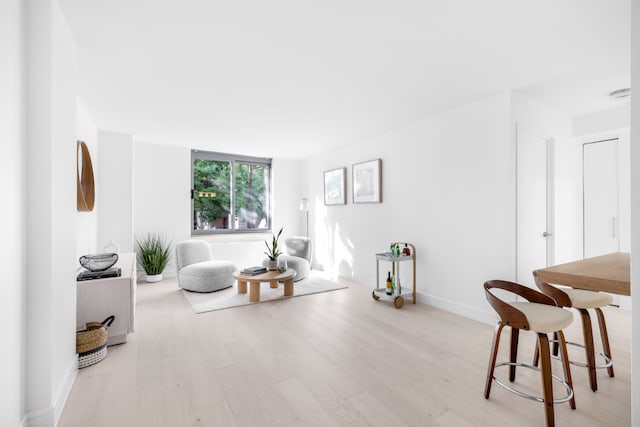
pixel 544 318
pixel 209 269
pixel 207 276
pixel 581 298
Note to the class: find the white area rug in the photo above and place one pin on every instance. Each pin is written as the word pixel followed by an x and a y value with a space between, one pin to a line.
pixel 227 298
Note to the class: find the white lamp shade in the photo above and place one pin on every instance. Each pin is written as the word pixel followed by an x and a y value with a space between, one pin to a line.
pixel 304 204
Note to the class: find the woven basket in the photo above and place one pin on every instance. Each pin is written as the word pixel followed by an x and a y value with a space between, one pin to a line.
pixel 91 343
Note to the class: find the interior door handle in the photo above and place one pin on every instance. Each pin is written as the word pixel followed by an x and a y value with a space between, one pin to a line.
pixel 545 234
pixel 613 227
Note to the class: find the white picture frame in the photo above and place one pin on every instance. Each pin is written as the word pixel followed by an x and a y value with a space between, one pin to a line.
pixel 335 186
pixel 367 181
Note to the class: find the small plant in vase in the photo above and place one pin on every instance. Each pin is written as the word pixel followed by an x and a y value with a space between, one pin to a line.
pixel 273 252
pixel 154 254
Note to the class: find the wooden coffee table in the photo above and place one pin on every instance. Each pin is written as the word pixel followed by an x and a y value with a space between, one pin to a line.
pixel 273 277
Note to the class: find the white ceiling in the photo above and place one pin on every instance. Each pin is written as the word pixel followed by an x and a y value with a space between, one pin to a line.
pixel 290 78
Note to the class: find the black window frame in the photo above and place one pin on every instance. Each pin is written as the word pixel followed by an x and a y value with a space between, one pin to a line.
pixel 232 158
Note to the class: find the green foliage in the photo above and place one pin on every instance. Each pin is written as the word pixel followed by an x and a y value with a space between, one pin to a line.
pixel 251 181
pixel 272 251
pixel 153 252
pixel 251 186
pixel 213 177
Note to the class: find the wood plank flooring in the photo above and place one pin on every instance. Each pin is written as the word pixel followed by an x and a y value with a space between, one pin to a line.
pixel 335 358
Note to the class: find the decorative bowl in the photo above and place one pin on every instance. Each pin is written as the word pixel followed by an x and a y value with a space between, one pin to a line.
pixel 98 262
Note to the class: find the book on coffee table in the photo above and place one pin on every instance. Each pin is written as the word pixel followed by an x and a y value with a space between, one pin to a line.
pixel 252 271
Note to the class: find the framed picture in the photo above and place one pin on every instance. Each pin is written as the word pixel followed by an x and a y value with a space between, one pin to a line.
pixel 335 186
pixel 367 182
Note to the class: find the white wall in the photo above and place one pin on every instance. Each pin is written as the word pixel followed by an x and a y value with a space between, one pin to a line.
pixel 114 193
pixel 162 184
pixel 87 222
pixel 287 192
pixel 161 193
pixel 568 201
pixel 12 231
pixel 600 121
pixel 63 210
pixel 51 199
pixel 635 214
pixel 447 188
pixel 624 189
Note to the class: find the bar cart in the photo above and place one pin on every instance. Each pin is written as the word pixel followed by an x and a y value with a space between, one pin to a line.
pixel 399 294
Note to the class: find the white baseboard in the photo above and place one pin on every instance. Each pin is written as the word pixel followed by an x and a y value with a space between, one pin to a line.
pixel 65 388
pixel 41 418
pixel 49 417
pixel 487 317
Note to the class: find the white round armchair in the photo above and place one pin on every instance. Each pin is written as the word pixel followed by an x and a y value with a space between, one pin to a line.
pixel 197 272
pixel 297 253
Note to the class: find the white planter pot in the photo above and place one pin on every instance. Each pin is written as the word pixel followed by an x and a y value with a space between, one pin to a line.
pixel 152 278
pixel 272 265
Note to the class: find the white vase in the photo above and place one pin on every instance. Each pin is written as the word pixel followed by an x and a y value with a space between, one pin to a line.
pixel 272 265
pixel 152 278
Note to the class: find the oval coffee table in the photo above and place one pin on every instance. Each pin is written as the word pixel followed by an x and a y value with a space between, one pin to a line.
pixel 273 277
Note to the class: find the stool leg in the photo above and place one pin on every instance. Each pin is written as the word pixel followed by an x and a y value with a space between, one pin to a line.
pixel 562 343
pixel 536 353
pixel 545 373
pixel 513 354
pixel 589 350
pixel 605 339
pixel 492 358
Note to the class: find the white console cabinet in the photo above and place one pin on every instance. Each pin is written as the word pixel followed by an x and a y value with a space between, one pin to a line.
pixel 101 298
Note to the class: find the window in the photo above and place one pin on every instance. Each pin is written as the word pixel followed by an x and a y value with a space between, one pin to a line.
pixel 230 193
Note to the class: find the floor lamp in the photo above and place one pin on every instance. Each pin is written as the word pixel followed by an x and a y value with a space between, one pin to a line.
pixel 304 206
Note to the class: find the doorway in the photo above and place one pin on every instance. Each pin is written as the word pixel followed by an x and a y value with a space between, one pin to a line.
pixel 534 205
pixel 601 197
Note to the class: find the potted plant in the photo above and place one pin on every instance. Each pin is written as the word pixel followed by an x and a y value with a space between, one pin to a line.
pixel 273 252
pixel 154 254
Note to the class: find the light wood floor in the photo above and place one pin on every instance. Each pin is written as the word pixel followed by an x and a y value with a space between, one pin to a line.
pixel 336 358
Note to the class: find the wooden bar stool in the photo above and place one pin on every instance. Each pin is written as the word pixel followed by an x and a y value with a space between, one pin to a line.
pixel 541 315
pixel 582 300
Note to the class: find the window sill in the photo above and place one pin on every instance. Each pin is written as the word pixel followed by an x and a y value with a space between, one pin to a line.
pixel 234 237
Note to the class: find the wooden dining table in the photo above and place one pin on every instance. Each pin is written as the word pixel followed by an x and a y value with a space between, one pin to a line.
pixel 607 273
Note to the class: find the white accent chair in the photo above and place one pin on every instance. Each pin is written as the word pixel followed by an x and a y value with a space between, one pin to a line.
pixel 297 253
pixel 197 272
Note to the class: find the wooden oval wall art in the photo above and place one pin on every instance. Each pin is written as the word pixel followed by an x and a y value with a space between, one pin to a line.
pixel 86 188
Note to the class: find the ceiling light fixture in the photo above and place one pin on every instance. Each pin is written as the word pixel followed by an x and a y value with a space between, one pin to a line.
pixel 620 94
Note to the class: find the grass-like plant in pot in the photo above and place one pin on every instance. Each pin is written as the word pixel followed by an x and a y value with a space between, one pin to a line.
pixel 273 252
pixel 153 253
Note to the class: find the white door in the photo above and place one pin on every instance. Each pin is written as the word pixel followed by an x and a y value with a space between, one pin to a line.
pixel 534 208
pixel 600 181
